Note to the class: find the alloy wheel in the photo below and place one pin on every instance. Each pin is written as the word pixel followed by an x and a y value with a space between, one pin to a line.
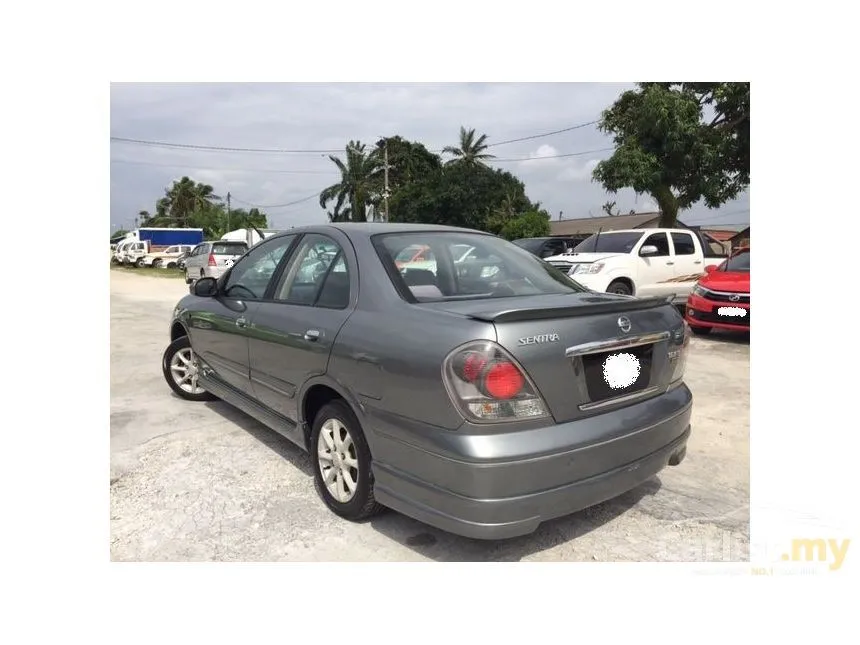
pixel 183 369
pixel 338 460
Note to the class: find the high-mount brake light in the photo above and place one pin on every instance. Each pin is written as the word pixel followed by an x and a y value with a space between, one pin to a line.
pixel 488 385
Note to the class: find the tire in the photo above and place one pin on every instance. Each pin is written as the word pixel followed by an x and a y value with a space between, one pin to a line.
pixel 171 367
pixel 139 263
pixel 619 287
pixel 701 331
pixel 156 264
pixel 336 419
pixel 170 265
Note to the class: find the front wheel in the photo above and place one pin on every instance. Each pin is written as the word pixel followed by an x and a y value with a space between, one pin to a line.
pixel 139 263
pixel 619 287
pixel 342 463
pixel 156 264
pixel 179 365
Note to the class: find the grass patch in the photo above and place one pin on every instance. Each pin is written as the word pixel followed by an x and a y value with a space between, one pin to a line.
pixel 147 271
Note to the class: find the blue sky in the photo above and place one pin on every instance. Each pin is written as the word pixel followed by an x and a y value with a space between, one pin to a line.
pixel 307 116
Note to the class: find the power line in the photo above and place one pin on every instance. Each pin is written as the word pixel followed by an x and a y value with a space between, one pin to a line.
pixel 192 167
pixel 545 134
pixel 569 154
pixel 269 206
pixel 192 146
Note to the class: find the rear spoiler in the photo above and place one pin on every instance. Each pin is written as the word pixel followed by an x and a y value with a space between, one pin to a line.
pixel 542 313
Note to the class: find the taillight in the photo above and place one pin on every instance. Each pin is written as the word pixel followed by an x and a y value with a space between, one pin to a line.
pixel 212 260
pixel 487 384
pixel 678 352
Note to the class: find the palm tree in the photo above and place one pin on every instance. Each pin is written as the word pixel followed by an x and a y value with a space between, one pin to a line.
pixel 185 197
pixel 355 190
pixel 471 150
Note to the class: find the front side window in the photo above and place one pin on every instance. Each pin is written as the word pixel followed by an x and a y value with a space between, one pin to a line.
pixel 494 268
pixel 316 275
pixel 251 275
pixel 660 241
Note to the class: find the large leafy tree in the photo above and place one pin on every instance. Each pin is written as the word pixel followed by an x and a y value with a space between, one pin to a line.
pixel 471 150
pixel 530 224
pixel 461 195
pixel 359 176
pixel 680 143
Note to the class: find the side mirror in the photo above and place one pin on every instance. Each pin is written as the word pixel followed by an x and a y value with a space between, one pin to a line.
pixel 648 249
pixel 205 287
pixel 710 268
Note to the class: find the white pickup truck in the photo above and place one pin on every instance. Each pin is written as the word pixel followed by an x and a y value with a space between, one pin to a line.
pixel 641 262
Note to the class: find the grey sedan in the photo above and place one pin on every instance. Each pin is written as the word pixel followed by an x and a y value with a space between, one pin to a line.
pixel 481 393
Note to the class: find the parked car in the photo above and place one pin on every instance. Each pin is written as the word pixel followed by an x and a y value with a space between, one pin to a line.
pixel 133 252
pixel 544 247
pixel 641 262
pixel 480 405
pixel 721 299
pixel 211 259
pixel 180 261
pixel 166 258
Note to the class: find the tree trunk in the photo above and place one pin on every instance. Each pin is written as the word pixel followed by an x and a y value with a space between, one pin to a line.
pixel 668 207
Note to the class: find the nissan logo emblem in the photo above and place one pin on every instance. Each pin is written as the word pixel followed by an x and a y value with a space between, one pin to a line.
pixel 734 297
pixel 624 324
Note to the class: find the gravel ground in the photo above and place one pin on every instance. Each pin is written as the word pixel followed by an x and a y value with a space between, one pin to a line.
pixel 204 482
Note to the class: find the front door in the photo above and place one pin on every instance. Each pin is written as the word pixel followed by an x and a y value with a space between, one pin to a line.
pixel 292 334
pixel 655 272
pixel 219 325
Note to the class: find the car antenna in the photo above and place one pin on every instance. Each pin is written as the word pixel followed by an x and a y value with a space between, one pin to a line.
pixel 597 239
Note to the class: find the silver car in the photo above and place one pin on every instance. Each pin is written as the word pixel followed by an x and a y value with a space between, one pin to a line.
pixel 481 396
pixel 212 259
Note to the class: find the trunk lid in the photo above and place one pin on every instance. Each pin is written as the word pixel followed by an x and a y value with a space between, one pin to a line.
pixel 563 341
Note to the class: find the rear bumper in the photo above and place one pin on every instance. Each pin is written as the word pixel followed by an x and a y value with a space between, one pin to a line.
pixel 536 475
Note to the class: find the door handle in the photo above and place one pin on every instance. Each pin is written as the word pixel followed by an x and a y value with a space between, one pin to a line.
pixel 670 263
pixel 241 322
pixel 697 261
pixel 312 335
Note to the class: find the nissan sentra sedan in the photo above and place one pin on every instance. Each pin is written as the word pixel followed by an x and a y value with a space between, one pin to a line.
pixel 480 397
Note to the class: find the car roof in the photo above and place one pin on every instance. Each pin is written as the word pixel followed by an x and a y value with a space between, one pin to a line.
pixel 368 229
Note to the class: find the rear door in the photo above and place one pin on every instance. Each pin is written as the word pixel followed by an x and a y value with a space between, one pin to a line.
pixel 291 334
pixel 655 273
pixel 688 256
pixel 219 325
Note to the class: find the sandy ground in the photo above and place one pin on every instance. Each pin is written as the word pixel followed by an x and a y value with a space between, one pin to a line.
pixel 203 481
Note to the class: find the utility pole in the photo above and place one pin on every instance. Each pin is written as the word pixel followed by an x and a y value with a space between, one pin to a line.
pixel 228 213
pixel 385 191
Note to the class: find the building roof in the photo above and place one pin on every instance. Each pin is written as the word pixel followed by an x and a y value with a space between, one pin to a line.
pixel 589 225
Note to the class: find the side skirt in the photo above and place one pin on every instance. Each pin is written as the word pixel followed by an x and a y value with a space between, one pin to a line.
pixel 249 406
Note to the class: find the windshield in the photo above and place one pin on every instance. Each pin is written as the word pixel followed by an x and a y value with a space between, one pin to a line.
pixel 739 262
pixel 609 242
pixel 494 268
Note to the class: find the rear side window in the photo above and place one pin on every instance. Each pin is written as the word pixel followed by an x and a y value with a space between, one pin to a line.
pixel 683 244
pixel 494 268
pixel 229 248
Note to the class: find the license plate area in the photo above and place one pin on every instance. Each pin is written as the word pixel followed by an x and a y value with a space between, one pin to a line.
pixel 617 373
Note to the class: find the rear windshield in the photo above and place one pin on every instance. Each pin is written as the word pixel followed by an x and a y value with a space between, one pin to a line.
pixel 494 268
pixel 229 248
pixel 610 242
pixel 739 262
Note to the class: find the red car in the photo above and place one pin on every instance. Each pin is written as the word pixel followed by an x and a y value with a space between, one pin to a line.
pixel 721 298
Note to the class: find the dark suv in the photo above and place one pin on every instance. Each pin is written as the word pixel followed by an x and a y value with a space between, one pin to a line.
pixel 544 247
